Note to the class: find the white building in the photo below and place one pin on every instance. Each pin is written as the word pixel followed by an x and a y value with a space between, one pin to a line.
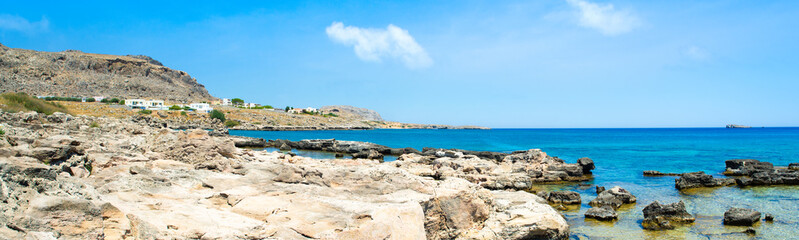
pixel 156 105
pixel 251 105
pixel 136 103
pixel 226 102
pixel 201 107
pixel 310 110
pixel 146 104
pixel 98 98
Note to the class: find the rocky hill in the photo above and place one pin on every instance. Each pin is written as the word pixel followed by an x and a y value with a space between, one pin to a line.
pixel 353 112
pixel 77 74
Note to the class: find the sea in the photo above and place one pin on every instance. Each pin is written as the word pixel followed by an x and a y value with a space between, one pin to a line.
pixel 621 155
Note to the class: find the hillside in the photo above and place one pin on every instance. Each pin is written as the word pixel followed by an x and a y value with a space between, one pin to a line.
pixel 352 112
pixel 77 74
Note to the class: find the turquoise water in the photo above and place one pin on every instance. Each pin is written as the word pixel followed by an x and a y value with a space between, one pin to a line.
pixel 621 155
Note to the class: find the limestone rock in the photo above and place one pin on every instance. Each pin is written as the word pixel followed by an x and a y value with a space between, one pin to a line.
pixel 659 217
pixel 564 197
pixel 603 213
pixel 741 217
pixel 614 198
pixel 746 167
pixel 700 179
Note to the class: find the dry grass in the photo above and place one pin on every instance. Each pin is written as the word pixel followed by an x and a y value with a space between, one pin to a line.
pixel 17 102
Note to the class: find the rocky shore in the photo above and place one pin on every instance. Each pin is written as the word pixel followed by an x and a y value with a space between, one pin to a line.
pixel 69 177
pixel 743 173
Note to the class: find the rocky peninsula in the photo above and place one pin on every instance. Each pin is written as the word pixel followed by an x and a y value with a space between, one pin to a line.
pixel 83 177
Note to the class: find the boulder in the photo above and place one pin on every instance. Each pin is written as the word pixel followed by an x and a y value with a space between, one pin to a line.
pixel 700 179
pixel 587 164
pixel 564 197
pixel 793 166
pixel 768 217
pixel 284 147
pixel 777 177
pixel 603 213
pixel 659 217
pixel 249 142
pixel 741 217
pixel 573 170
pixel 613 198
pixel 599 189
pixel 368 154
pixel 746 167
pixel 521 215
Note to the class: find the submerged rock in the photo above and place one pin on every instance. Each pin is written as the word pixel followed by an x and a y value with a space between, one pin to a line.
pixel 604 213
pixel 741 217
pixel 700 179
pixel 613 198
pixel 564 197
pixel 660 217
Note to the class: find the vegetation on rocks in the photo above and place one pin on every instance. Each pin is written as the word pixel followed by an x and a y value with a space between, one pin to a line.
pixel 65 99
pixel 237 101
pixel 232 123
pixel 146 112
pixel 16 102
pixel 111 100
pixel 217 114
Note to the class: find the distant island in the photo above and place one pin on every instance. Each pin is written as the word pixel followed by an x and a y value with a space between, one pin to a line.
pixel 737 126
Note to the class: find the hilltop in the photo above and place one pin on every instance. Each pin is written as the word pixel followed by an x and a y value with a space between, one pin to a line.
pixel 73 73
pixel 80 74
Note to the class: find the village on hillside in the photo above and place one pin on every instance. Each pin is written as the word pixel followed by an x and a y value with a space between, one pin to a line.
pixel 199 107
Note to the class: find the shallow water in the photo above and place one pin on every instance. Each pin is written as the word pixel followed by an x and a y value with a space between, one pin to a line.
pixel 621 155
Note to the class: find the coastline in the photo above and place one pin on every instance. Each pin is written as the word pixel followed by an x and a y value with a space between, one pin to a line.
pixel 137 178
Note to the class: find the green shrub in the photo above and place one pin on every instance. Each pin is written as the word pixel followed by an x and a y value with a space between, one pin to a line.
pixel 237 101
pixel 146 112
pixel 268 107
pixel 121 102
pixel 231 123
pixel 217 114
pixel 183 113
pixel 288 108
pixel 2 132
pixel 90 100
pixel 330 115
pixel 94 125
pixel 15 102
pixel 175 107
pixel 66 99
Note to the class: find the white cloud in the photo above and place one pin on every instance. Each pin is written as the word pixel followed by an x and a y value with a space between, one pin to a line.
pixel 376 44
pixel 17 23
pixel 697 53
pixel 604 17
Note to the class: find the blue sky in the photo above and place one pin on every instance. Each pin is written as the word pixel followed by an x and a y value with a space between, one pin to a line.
pixel 574 63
